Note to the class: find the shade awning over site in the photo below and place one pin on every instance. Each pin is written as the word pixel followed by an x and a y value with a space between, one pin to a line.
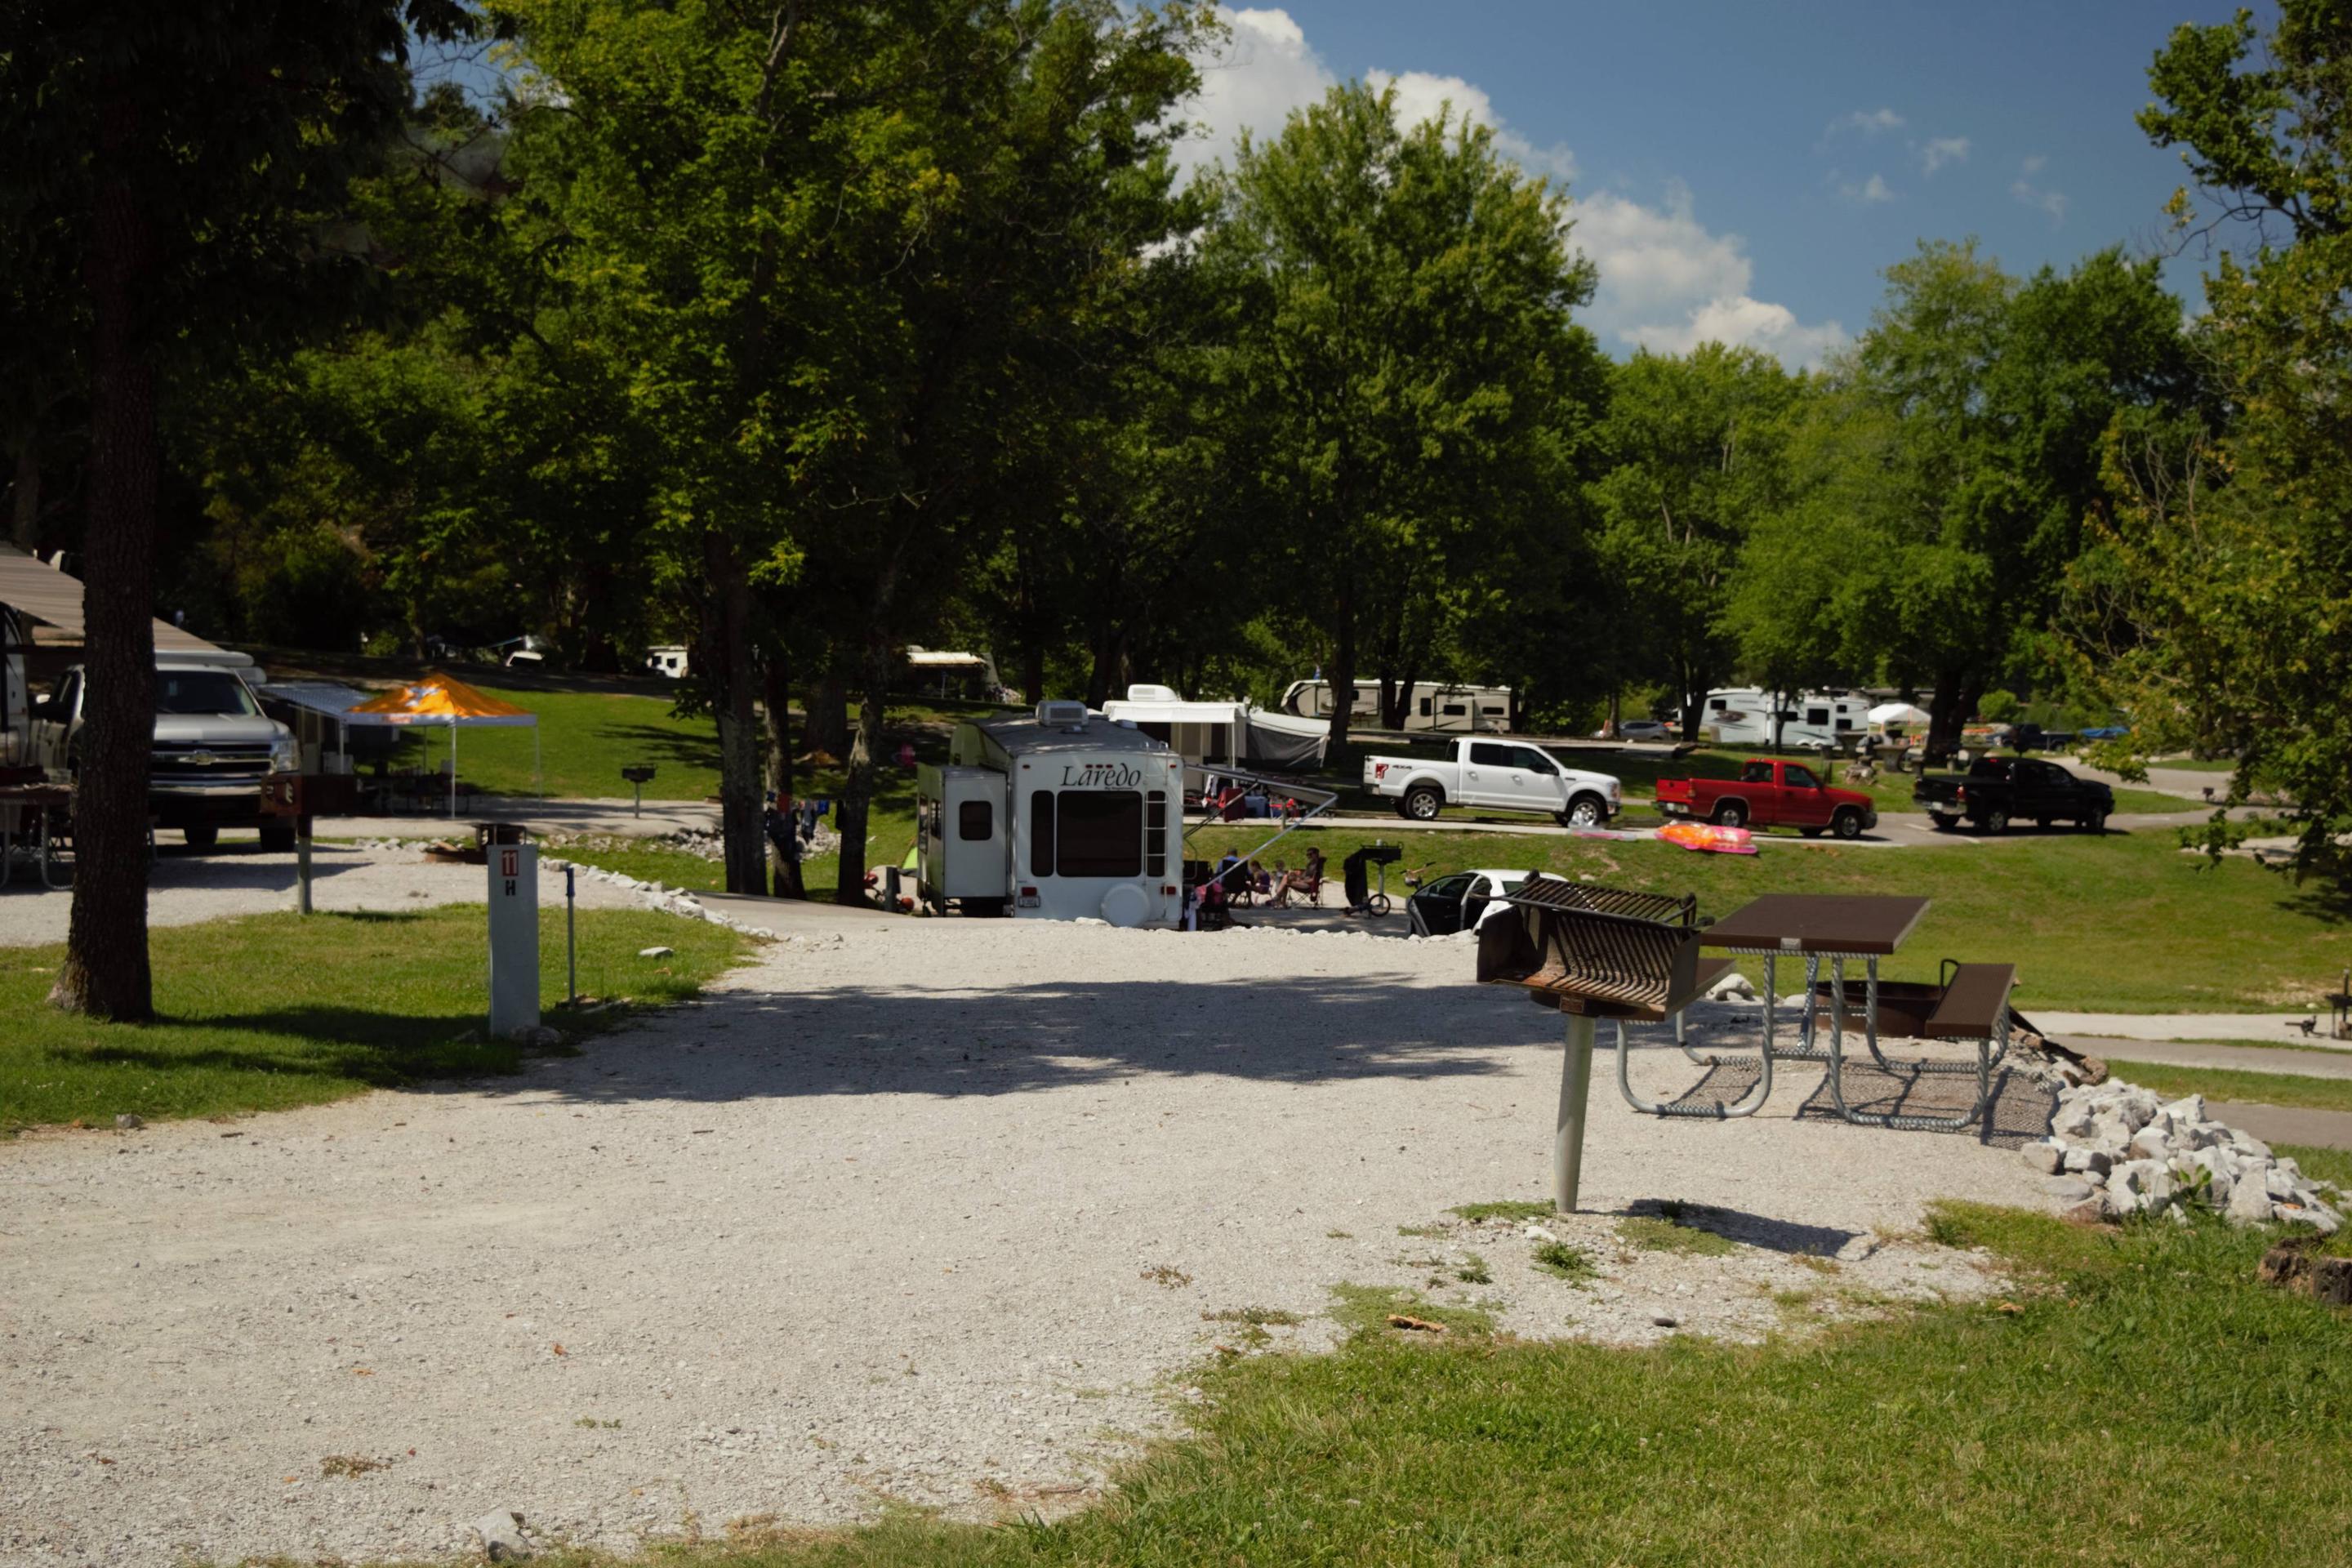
pixel 40 592
pixel 442 699
pixel 1895 713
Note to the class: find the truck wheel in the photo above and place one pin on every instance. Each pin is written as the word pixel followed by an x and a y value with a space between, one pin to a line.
pixel 277 839
pixel 1731 814
pixel 1583 812
pixel 1847 823
pixel 201 838
pixel 1943 823
pixel 1424 802
pixel 2095 822
pixel 1995 822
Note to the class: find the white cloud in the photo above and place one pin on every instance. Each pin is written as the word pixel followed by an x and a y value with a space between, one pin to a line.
pixel 2040 197
pixel 1668 284
pixel 1867 122
pixel 1420 96
pixel 1264 70
pixel 1942 150
pixel 1867 191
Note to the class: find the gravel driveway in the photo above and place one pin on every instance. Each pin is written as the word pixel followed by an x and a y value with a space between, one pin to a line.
pixel 929 1210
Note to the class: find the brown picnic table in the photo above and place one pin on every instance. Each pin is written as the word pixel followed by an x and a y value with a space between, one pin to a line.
pixel 1969 1003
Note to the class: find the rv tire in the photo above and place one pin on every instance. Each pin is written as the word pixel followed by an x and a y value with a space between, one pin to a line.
pixel 203 835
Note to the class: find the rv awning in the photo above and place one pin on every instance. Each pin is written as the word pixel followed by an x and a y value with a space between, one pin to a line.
pixel 1174 713
pixel 40 592
pixel 317 695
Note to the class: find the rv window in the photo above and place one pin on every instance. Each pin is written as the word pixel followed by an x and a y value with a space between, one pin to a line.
pixel 1041 832
pixel 1425 706
pixel 976 819
pixel 1491 708
pixel 1719 703
pixel 1454 710
pixel 1487 755
pixel 1817 715
pixel 1101 833
pixel 1845 722
pixel 1155 834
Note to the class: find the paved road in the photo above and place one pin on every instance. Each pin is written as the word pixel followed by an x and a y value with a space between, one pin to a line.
pixel 2140 1026
pixel 2286 1123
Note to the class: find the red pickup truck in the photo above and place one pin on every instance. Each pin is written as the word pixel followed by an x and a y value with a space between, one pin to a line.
pixel 1771 793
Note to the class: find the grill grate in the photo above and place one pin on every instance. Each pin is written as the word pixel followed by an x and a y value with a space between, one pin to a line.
pixel 1593 949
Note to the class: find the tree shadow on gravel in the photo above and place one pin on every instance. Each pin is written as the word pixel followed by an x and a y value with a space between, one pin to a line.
pixel 856 1041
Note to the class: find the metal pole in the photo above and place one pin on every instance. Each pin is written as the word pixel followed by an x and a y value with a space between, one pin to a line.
pixel 302 864
pixel 1568 1137
pixel 570 949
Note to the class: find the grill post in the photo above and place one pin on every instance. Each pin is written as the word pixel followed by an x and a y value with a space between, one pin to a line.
pixel 1568 1133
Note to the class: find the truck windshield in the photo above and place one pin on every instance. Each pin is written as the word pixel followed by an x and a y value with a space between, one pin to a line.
pixel 202 692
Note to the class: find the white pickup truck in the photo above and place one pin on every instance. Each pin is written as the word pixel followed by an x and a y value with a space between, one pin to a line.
pixel 1499 775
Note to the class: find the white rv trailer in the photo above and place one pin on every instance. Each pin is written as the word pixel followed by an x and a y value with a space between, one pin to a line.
pixel 1431 705
pixel 1746 715
pixel 1058 815
pixel 1232 735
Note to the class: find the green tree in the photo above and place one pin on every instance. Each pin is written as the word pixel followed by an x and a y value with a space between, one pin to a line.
pixel 190 153
pixel 2219 612
pixel 1694 453
pixel 1401 350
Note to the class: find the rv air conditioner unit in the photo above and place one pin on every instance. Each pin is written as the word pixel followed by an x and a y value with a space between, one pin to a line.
pixel 1062 715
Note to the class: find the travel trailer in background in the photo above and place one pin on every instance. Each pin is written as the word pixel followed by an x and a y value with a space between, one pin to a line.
pixel 670 661
pixel 1061 814
pixel 1431 705
pixel 1222 734
pixel 1747 715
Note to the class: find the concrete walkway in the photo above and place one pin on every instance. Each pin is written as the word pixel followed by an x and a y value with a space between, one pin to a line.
pixel 2286 1123
pixel 2256 1026
pixel 619 817
pixel 2235 1058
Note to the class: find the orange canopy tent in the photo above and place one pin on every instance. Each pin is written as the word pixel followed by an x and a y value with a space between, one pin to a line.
pixel 442 699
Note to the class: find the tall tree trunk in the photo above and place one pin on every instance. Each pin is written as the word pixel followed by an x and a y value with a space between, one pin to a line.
pixel 1342 674
pixel 105 973
pixel 1943 719
pixel 731 674
pixel 826 728
pixel 25 530
pixel 857 788
pixel 776 697
pixel 1033 672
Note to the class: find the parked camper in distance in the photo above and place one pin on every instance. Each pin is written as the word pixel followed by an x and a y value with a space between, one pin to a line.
pixel 1431 705
pixel 1221 735
pixel 1062 815
pixel 1749 716
pixel 669 661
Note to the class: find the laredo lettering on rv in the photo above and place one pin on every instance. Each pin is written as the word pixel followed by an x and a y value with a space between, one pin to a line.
pixel 1100 775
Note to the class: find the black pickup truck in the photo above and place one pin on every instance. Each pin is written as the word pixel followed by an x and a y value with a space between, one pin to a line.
pixel 1997 790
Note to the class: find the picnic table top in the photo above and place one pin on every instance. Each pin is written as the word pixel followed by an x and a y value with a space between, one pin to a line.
pixel 1869 923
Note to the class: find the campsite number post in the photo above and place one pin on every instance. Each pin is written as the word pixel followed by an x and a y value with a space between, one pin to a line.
pixel 514 930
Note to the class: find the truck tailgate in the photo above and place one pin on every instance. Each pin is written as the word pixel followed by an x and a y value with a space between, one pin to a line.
pixel 1675 789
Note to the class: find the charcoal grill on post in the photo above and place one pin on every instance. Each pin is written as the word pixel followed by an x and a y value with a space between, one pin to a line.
pixel 1599 953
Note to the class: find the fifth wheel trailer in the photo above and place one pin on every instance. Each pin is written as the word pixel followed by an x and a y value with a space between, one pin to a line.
pixel 1062 815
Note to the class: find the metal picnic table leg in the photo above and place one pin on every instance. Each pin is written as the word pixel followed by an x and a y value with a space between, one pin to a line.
pixel 1568 1133
pixel 1986 1056
pixel 1747 1104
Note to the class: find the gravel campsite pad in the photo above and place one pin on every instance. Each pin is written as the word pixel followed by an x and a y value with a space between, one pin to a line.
pixel 940 1211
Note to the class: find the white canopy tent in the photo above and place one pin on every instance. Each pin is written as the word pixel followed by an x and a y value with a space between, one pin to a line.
pixel 1898 714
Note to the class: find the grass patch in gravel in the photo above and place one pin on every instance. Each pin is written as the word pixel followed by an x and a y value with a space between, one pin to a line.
pixel 2145 1367
pixel 275 1011
pixel 1367 1309
pixel 1669 1231
pixel 1564 1260
pixel 1505 1209
pixel 2232 1083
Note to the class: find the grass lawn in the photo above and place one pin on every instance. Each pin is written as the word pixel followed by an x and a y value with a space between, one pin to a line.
pixel 2135 1397
pixel 2327 1164
pixel 2197 764
pixel 275 1011
pixel 2121 923
pixel 2172 1081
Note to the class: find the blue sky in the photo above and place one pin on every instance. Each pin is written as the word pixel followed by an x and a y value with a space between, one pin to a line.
pixel 1747 171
